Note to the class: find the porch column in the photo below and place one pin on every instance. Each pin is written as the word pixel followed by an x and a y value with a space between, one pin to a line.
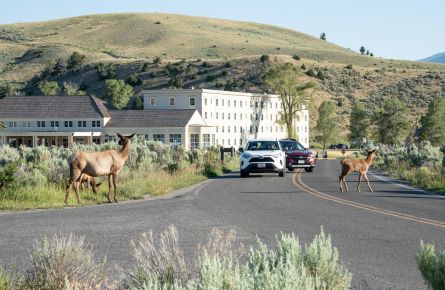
pixel 89 140
pixel 70 141
pixel 34 141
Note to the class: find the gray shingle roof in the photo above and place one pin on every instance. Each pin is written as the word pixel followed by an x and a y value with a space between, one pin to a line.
pixel 52 107
pixel 149 118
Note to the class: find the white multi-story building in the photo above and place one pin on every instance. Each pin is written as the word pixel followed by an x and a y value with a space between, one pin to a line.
pixel 236 116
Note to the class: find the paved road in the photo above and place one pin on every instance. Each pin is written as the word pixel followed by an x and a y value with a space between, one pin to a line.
pixel 377 234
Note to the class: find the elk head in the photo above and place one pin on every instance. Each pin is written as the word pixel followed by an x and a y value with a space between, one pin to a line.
pixel 123 140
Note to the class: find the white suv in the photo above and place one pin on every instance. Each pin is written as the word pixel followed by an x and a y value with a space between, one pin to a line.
pixel 262 155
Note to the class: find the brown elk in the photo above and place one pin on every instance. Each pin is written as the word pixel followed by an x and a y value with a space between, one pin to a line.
pixel 94 164
pixel 358 165
pixel 89 180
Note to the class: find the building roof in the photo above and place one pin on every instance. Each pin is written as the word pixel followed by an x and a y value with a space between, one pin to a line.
pixel 46 107
pixel 186 92
pixel 149 118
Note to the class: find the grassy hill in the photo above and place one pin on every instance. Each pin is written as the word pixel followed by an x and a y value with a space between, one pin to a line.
pixel 209 53
pixel 437 58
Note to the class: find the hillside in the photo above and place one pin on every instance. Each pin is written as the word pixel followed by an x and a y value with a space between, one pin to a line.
pixel 437 58
pixel 208 53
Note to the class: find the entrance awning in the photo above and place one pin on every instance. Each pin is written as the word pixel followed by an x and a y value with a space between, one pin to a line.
pixel 87 134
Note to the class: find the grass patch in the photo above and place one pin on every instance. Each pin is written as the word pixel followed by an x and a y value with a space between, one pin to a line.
pixel 135 184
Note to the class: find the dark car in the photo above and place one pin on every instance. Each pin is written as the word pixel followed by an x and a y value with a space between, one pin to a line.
pixel 338 146
pixel 297 156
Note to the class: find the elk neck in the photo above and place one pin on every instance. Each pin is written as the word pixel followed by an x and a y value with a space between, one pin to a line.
pixel 125 150
pixel 369 157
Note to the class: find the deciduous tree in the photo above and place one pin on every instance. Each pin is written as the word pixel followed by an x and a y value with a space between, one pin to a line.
pixel 49 88
pixel 327 123
pixel 390 121
pixel 118 93
pixel 359 122
pixel 284 80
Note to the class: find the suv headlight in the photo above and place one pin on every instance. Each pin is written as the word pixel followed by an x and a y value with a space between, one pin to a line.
pixel 246 155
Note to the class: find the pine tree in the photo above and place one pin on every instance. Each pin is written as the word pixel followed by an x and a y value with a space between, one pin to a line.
pixel 362 50
pixel 323 36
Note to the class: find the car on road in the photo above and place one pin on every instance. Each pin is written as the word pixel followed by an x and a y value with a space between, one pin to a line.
pixel 338 146
pixel 297 156
pixel 262 156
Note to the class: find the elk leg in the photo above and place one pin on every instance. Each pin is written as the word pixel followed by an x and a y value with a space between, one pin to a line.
pixel 109 187
pixel 114 185
pixel 359 181
pixel 76 188
pixel 73 179
pixel 344 182
pixel 367 181
pixel 340 178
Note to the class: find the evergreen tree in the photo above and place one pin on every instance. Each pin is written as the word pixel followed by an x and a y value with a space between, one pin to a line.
pixel 362 50
pixel 433 123
pixel 367 52
pixel 323 36
pixel 359 122
pixel 371 54
pixel 284 80
pixel 48 88
pixel 327 123
pixel 138 103
pixel 390 121
pixel 118 93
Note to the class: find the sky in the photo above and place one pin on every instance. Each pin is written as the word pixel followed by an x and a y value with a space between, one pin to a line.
pixel 410 29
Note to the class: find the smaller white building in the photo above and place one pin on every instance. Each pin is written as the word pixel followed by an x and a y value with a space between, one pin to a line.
pixel 236 116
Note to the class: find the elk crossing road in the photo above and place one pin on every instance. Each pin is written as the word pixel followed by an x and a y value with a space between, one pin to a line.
pixel 376 233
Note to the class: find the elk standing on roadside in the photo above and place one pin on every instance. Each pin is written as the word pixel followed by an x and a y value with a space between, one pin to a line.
pixel 96 164
pixel 358 165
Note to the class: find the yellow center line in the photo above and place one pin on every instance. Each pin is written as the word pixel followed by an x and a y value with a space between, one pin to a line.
pixel 299 183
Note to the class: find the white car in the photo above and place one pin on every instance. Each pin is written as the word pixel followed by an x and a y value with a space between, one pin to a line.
pixel 261 156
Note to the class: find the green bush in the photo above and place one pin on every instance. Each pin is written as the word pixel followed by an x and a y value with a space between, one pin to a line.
pixel 106 71
pixel 8 177
pixel 432 266
pixel 349 66
pixel 312 73
pixel 134 80
pixel 63 260
pixel 264 58
pixel 76 61
pixel 118 93
pixel 296 57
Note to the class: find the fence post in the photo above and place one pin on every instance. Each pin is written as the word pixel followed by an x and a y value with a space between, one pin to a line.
pixel 221 151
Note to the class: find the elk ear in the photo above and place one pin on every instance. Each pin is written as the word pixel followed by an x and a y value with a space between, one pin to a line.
pixel 120 136
pixel 98 184
pixel 131 136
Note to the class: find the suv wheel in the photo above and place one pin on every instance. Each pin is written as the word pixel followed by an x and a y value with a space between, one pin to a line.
pixel 281 173
pixel 244 174
pixel 309 169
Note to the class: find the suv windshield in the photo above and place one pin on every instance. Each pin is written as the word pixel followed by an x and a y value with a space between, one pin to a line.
pixel 262 145
pixel 291 145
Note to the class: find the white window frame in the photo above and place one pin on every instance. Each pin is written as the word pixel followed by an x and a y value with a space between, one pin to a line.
pixel 170 101
pixel 153 101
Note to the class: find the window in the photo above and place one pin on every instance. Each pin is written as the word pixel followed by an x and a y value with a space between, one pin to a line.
pixel 217 129
pixel 305 129
pixel 213 139
pixel 206 140
pixel 222 116
pixel 262 104
pixel 240 116
pixel 228 103
pixel 205 115
pixel 228 129
pixel 12 124
pixel 276 105
pixel 305 118
pixel 146 136
pixel 172 101
pixel 205 101
pixel 68 124
pixel 153 101
pixel 241 129
pixel 222 129
pixel 81 123
pixel 222 102
pixel 175 139
pixel 96 140
pixel 194 141
pixel 234 116
pixel 234 142
pixel 228 142
pixel 228 116
pixel 262 117
pixel 216 102
pixel 26 124
pixel 216 114
pixel 234 129
pixel 192 102
pixel 159 138
pixel 256 104
pixel 271 118
pixel 241 103
pixel 256 117
pixel 95 123
pixel 65 142
pixel 234 103
pixel 54 124
pixel 40 124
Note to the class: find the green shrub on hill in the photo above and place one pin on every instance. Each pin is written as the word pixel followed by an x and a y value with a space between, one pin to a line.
pixel 49 88
pixel 106 71
pixel 432 266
